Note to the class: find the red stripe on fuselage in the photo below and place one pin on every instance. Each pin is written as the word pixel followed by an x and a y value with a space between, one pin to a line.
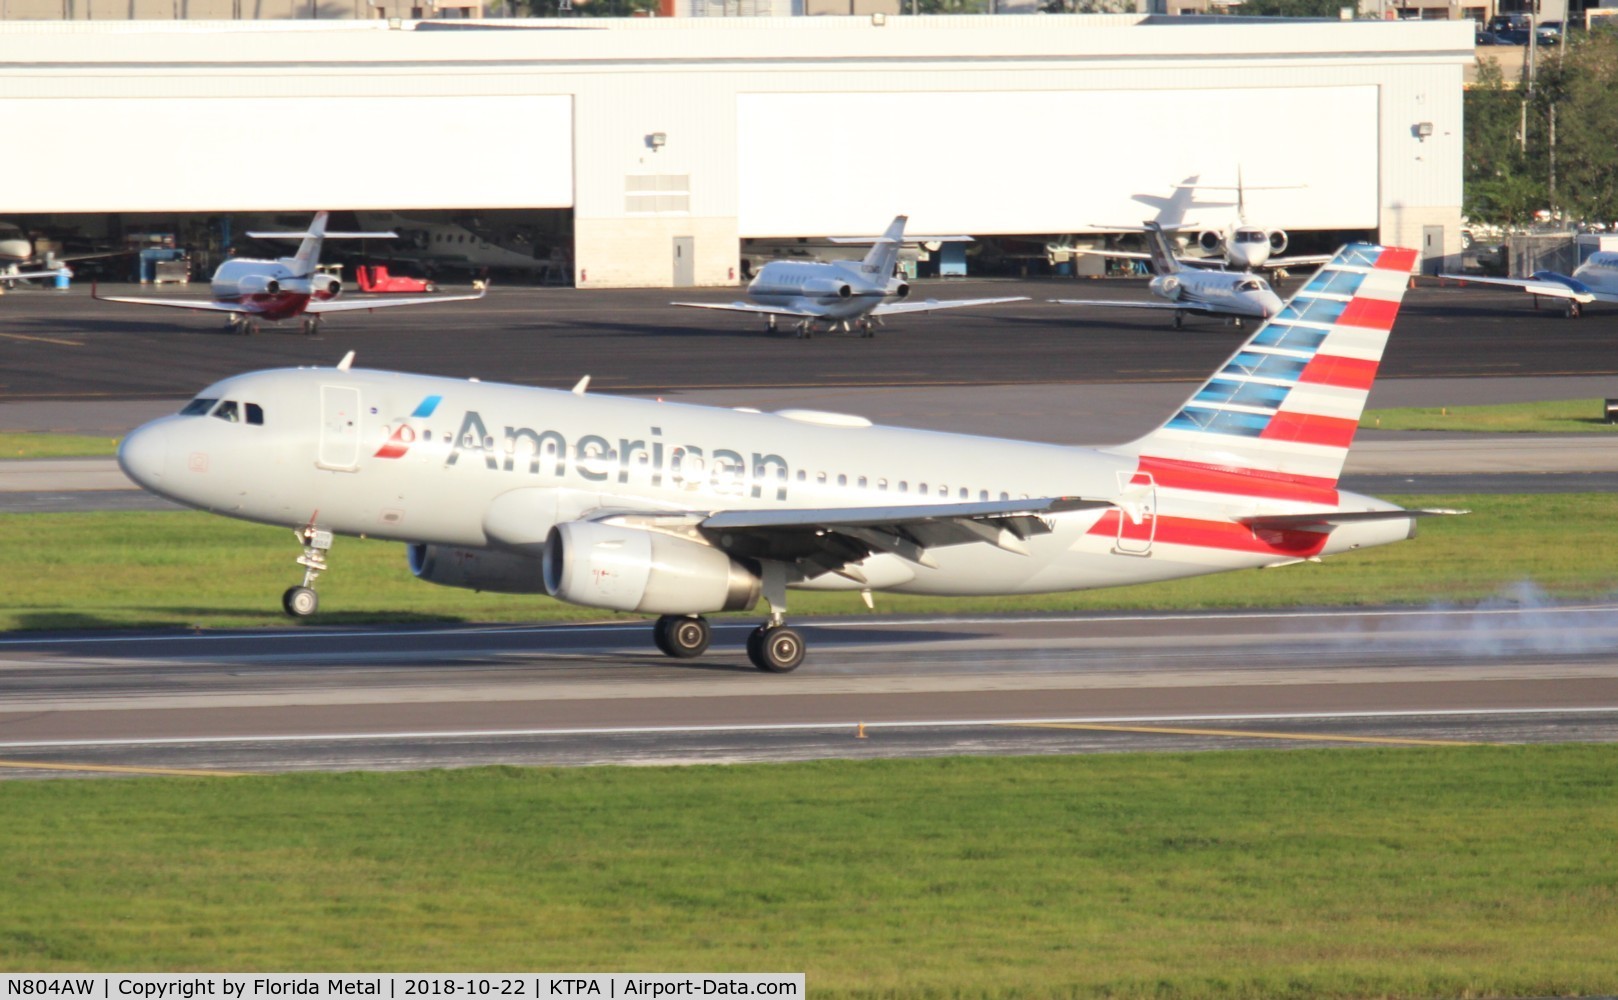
pixel 1375 314
pixel 1227 536
pixel 1349 373
pixel 1310 428
pixel 277 307
pixel 1178 474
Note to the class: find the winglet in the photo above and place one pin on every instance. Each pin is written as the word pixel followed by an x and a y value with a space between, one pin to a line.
pixel 348 360
pixel 582 385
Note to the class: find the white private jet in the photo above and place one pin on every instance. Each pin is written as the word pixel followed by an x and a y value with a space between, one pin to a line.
pixel 1235 294
pixel 681 511
pixel 1595 280
pixel 274 290
pixel 17 252
pixel 842 293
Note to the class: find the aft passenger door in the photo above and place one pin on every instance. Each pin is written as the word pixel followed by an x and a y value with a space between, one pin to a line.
pixel 339 428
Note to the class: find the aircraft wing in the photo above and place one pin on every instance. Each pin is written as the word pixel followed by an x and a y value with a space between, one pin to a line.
pixel 749 307
pixel 828 540
pixel 1133 304
pixel 1330 519
pixel 202 305
pixel 1302 260
pixel 27 275
pixel 1565 288
pixel 1215 263
pixel 356 304
pixel 928 305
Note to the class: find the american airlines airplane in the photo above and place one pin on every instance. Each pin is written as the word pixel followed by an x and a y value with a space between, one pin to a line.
pixel 682 511
pixel 1596 280
pixel 841 293
pixel 274 290
pixel 1234 294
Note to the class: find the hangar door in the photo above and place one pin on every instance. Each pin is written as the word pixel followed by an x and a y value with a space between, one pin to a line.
pixel 1056 161
pixel 204 154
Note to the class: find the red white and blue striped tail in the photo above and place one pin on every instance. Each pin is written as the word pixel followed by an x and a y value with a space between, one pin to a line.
pixel 1283 410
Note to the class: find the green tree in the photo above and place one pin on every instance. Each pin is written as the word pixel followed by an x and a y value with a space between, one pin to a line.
pixel 1585 89
pixel 1503 183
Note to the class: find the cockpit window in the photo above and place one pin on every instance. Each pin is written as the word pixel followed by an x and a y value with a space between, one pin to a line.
pixel 227 411
pixel 255 413
pixel 1250 286
pixel 198 407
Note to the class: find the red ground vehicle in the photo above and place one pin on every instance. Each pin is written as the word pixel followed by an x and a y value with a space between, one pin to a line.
pixel 377 279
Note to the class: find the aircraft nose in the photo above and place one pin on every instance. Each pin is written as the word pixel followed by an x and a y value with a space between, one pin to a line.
pixel 143 454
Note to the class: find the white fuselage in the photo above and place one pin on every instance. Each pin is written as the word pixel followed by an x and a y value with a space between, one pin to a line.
pixel 833 290
pixel 271 289
pixel 1229 292
pixel 492 467
pixel 1599 273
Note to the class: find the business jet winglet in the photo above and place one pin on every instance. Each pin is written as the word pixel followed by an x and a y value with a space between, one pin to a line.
pixel 284 288
pixel 842 294
pixel 682 511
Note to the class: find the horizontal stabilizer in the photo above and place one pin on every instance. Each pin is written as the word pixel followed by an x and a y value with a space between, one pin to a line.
pixel 1328 519
pixel 328 236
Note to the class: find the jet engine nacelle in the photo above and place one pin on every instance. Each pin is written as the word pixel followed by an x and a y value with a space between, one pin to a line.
pixel 325 286
pixel 629 569
pixel 477 569
pixel 1167 286
pixel 1278 241
pixel 826 287
pixel 1211 240
pixel 902 291
pixel 258 284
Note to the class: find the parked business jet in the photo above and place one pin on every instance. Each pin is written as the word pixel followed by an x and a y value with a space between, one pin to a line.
pixel 681 511
pixel 287 287
pixel 17 252
pixel 1596 280
pixel 842 293
pixel 1235 294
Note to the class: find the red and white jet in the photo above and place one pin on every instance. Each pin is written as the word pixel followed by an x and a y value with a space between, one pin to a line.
pixel 287 287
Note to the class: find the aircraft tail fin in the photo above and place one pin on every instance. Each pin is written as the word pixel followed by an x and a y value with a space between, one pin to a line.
pixel 1162 251
pixel 879 261
pixel 1283 410
pixel 307 258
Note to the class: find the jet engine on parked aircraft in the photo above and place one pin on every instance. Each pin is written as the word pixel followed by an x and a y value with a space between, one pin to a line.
pixel 1211 240
pixel 1167 286
pixel 477 569
pixel 324 286
pixel 630 569
pixel 821 286
pixel 1278 241
pixel 257 284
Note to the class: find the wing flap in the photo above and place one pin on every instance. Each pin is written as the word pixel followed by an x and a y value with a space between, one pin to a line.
pixel 354 305
pixel 748 307
pixel 1548 289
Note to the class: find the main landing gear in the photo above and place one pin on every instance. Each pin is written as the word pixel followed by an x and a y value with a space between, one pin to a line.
pixel 302 601
pixel 311 326
pixel 772 647
pixel 242 324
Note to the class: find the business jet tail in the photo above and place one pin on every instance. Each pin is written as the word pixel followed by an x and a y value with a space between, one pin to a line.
pixel 1283 410
pixel 307 258
pixel 880 260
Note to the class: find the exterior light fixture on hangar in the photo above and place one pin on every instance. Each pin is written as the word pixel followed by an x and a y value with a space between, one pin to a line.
pixel 695 133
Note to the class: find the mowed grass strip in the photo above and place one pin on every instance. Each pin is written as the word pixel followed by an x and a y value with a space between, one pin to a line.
pixel 1349 873
pixel 186 569
pixel 30 445
pixel 1562 416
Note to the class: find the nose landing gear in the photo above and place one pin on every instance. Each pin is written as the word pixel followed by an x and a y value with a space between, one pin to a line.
pixel 302 601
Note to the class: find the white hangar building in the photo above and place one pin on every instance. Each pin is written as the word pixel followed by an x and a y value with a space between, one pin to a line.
pixel 668 141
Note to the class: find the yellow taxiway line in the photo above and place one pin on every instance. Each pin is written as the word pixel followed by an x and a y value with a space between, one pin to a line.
pixel 43 340
pixel 29 765
pixel 1254 734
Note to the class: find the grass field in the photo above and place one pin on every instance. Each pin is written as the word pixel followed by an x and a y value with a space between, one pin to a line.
pixel 1396 873
pixel 1565 416
pixel 27 445
pixel 190 569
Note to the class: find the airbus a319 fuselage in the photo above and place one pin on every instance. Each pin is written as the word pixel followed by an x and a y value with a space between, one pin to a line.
pixel 681 510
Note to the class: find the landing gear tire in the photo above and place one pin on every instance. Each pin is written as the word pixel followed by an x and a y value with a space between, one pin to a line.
pixel 1179 319
pixel 682 636
pixel 1574 309
pixel 311 326
pixel 775 649
pixel 300 602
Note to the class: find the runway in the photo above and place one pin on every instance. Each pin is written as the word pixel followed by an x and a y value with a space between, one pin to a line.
pixel 320 699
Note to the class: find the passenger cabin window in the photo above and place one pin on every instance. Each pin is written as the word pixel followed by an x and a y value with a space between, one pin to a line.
pixel 255 414
pixel 198 407
pixel 227 411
